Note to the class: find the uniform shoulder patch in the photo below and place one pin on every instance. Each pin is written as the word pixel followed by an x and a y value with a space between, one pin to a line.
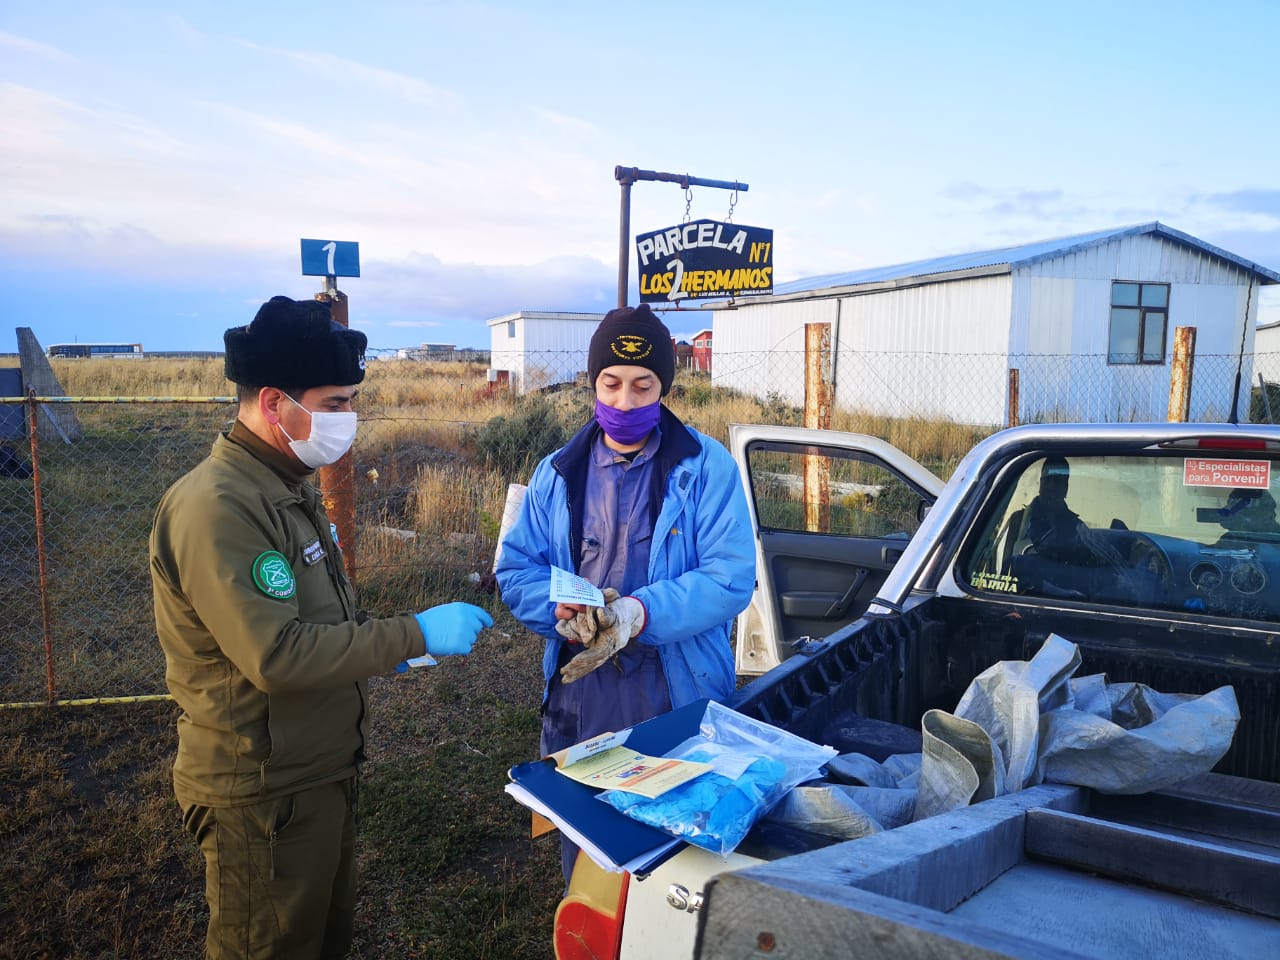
pixel 273 575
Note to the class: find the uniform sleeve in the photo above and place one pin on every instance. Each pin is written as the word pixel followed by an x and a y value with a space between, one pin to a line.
pixel 525 561
pixel 205 553
pixel 719 586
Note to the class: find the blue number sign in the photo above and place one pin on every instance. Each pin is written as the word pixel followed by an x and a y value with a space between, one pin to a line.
pixel 330 258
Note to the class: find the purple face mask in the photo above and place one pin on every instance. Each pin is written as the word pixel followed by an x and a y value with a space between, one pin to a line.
pixel 628 426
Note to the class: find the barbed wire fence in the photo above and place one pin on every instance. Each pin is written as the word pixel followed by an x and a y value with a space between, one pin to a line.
pixel 77 494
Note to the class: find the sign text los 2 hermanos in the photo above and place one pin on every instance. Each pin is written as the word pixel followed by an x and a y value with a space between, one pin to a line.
pixel 705 259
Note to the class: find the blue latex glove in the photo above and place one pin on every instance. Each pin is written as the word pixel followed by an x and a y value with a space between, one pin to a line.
pixel 451 628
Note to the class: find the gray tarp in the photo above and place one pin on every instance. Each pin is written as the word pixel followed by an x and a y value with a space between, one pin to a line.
pixel 1121 738
pixel 1022 722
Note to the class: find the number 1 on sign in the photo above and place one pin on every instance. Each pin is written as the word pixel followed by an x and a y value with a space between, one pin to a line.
pixel 329 248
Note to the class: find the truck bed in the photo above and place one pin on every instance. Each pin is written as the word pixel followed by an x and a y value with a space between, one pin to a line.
pixel 1049 872
pixel 895 668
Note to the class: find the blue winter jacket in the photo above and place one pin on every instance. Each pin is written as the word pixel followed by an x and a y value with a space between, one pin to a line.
pixel 701 562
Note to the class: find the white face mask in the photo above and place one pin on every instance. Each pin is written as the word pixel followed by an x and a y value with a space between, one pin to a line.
pixel 331 436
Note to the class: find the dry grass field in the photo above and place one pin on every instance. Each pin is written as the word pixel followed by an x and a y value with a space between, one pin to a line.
pixel 93 862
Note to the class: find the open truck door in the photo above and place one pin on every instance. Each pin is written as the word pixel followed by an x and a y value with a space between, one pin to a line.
pixel 832 512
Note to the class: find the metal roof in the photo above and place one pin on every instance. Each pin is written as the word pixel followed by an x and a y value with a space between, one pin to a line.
pixel 1014 257
pixel 544 315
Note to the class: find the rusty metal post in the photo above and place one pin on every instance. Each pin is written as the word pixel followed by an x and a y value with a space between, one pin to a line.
pixel 41 552
pixel 338 481
pixel 1014 414
pixel 817 376
pixel 1184 349
pixel 817 416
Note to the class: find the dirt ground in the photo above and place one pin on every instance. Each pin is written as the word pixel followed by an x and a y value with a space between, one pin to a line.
pixel 93 863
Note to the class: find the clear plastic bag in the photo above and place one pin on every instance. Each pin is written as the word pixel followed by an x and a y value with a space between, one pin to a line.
pixel 753 766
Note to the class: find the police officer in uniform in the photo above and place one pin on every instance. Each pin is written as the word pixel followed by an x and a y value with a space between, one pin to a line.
pixel 265 650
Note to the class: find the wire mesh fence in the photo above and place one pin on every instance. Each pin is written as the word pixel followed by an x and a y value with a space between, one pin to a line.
pixel 970 388
pixel 77 493
pixel 75 513
pixel 77 498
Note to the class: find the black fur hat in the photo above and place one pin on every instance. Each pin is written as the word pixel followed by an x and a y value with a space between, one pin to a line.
pixel 632 335
pixel 294 344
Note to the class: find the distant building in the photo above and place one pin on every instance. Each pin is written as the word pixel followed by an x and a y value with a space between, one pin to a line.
pixel 1266 352
pixel 538 349
pixel 1088 321
pixel 95 350
pixel 701 358
pixel 442 352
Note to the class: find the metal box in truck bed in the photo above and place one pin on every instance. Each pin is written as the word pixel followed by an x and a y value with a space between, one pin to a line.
pixel 1049 872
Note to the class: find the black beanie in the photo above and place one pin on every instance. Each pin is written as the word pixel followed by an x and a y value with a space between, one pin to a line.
pixel 632 335
pixel 294 344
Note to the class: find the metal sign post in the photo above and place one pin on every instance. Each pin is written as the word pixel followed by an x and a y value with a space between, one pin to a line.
pixel 626 176
pixel 332 259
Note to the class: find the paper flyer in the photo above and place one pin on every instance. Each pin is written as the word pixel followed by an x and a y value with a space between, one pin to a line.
pixel 568 587
pixel 619 768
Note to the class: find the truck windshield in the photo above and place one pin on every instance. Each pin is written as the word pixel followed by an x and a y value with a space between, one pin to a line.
pixel 1189 533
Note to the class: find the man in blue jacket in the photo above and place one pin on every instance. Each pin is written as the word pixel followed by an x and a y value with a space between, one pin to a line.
pixel 653 512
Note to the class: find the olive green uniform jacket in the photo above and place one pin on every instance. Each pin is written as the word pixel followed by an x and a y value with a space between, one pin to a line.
pixel 264 651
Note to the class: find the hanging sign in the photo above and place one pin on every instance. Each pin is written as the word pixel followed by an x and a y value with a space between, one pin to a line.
pixel 330 258
pixel 705 259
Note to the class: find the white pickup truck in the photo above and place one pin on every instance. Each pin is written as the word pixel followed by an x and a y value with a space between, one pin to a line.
pixel 882 593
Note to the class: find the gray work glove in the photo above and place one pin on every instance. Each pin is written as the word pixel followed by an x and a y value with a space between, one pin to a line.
pixel 618 622
pixel 584 627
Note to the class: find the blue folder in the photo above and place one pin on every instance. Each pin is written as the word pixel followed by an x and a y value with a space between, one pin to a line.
pixel 612 839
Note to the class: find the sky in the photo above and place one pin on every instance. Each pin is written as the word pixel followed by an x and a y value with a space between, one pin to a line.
pixel 161 161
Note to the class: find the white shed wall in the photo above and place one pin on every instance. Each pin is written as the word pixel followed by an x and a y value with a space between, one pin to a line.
pixel 1266 352
pixel 937 350
pixel 1061 327
pixel 759 348
pixel 546 349
pixel 507 352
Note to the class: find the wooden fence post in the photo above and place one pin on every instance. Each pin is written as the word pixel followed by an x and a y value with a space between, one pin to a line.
pixel 817 415
pixel 1184 351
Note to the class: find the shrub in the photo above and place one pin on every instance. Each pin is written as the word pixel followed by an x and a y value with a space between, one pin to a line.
pixel 513 445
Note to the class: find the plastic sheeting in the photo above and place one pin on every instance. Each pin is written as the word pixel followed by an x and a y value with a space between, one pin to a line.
pixel 753 766
pixel 1019 723
pixel 1042 725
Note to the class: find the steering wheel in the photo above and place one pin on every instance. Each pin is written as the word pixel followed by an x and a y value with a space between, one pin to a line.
pixel 1145 558
pixel 1145 555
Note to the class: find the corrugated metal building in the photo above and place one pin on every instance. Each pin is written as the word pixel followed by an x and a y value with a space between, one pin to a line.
pixel 1266 347
pixel 1087 320
pixel 540 349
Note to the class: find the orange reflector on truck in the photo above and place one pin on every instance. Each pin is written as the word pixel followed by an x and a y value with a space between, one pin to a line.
pixel 588 923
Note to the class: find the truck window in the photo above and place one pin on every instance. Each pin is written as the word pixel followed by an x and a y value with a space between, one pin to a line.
pixel 1168 532
pixel 823 490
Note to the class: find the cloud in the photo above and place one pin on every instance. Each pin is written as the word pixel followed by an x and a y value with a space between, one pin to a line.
pixel 424 284
pixel 1249 200
pixel 962 190
pixel 386 82
pixel 566 123
pixel 33 48
pixel 1039 204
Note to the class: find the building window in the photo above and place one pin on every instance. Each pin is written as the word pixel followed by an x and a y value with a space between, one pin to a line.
pixel 1139 317
pixel 511 329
